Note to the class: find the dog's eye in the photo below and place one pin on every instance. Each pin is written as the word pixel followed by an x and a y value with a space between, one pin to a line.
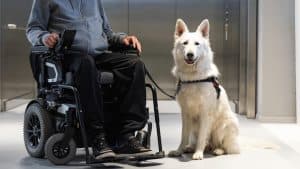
pixel 197 43
pixel 185 43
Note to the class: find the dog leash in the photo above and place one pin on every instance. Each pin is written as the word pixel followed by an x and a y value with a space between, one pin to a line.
pixel 213 80
pixel 157 86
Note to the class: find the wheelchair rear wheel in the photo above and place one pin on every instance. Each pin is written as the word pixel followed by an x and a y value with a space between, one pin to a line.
pixel 59 153
pixel 36 130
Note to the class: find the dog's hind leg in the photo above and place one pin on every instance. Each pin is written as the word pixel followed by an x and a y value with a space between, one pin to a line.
pixel 230 142
pixel 231 146
pixel 185 132
pixel 218 151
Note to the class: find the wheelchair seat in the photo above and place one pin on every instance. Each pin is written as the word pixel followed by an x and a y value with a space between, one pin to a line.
pixel 106 78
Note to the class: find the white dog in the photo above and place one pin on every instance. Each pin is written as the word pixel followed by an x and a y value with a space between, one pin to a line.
pixel 208 122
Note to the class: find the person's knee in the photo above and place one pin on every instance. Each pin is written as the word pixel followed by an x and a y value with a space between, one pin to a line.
pixel 87 59
pixel 139 63
pixel 88 62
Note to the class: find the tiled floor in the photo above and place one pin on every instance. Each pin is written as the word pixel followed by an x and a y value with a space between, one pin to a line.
pixel 273 146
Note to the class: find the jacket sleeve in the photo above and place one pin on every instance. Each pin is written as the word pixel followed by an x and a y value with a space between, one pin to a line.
pixel 38 22
pixel 113 38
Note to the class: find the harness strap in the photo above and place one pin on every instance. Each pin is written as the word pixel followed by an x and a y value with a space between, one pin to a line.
pixel 213 80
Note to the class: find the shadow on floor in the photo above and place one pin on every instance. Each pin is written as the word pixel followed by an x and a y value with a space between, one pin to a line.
pixel 188 157
pixel 31 163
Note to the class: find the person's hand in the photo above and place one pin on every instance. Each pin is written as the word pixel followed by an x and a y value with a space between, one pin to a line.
pixel 51 40
pixel 132 40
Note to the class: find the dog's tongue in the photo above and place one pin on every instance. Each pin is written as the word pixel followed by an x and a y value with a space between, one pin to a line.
pixel 189 61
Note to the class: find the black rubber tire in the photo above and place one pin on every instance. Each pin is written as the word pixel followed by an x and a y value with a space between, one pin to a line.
pixel 37 128
pixel 52 152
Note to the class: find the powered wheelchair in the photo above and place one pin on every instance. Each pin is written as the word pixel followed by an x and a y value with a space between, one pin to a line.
pixel 53 122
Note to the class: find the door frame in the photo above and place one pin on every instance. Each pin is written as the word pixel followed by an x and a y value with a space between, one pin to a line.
pixel 248 58
pixel 1 51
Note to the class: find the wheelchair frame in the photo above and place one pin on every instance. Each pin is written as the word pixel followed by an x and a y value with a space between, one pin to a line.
pixel 70 124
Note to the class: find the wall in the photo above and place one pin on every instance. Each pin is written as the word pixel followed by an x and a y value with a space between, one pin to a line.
pixel 276 61
pixel 297 31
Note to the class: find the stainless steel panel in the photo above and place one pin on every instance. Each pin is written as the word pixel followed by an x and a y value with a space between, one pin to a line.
pixel 117 13
pixel 16 77
pixel 194 11
pixel 226 49
pixel 154 23
pixel 252 59
pixel 231 50
pixel 242 108
pixel 1 52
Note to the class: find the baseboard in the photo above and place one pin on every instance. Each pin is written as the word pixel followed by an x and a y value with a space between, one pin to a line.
pixel 276 119
pixel 164 106
pixel 13 103
pixel 167 106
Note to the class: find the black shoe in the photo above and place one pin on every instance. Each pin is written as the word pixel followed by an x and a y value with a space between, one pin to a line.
pixel 101 149
pixel 132 146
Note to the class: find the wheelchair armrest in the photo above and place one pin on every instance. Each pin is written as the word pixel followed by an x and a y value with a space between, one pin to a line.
pixel 40 49
pixel 63 45
pixel 122 48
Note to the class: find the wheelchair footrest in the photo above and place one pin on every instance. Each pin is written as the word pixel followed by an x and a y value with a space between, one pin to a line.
pixel 106 160
pixel 130 157
pixel 146 156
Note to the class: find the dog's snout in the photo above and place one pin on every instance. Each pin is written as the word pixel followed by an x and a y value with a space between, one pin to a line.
pixel 190 55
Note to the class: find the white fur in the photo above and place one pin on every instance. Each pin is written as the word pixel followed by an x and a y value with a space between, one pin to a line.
pixel 208 123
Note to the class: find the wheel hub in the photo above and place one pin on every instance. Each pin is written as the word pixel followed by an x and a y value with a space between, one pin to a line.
pixel 60 151
pixel 35 131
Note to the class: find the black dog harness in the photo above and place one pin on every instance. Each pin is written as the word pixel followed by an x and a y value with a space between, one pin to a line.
pixel 213 80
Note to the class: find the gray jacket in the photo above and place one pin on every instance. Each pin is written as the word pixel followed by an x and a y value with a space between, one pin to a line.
pixel 94 32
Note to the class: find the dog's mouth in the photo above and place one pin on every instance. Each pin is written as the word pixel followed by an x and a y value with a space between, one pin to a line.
pixel 190 61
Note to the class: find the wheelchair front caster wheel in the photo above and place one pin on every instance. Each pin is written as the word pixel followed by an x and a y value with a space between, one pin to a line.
pixel 58 153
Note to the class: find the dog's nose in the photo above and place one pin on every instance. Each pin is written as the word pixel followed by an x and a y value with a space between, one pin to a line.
pixel 190 55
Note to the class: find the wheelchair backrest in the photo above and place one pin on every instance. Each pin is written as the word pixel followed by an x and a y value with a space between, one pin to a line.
pixel 53 71
pixel 46 70
pixel 47 64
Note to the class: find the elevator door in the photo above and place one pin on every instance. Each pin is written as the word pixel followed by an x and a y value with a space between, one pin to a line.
pixel 154 22
pixel 224 35
pixel 117 12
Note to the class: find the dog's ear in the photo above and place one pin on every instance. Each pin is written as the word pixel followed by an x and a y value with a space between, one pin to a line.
pixel 203 28
pixel 180 28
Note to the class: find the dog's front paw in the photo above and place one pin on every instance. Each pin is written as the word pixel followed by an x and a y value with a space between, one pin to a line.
pixel 188 149
pixel 198 155
pixel 175 153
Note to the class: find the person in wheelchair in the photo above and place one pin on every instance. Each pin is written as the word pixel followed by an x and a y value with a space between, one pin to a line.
pixel 94 35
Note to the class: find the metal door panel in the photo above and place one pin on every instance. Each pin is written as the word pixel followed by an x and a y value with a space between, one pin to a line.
pixel 117 13
pixel 226 50
pixel 16 76
pixel 231 51
pixel 154 23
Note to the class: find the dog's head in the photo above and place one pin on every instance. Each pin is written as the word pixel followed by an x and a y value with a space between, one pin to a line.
pixel 192 46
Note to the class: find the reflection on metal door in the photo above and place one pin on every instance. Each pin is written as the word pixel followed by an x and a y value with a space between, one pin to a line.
pixel 224 19
pixel 16 78
pixel 153 21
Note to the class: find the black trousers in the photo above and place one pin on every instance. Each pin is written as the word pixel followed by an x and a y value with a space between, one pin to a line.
pixel 129 87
